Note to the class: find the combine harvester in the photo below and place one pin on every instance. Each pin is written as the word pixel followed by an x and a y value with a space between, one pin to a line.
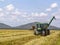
pixel 42 28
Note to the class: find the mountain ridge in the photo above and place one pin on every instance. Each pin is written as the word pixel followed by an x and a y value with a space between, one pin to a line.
pixel 2 25
pixel 29 26
pixel 25 26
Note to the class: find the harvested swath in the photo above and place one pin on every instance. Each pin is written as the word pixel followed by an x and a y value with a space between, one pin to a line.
pixel 16 38
pixel 26 37
pixel 20 41
pixel 7 35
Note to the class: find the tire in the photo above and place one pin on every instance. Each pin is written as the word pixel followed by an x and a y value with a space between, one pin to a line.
pixel 48 32
pixel 43 33
pixel 36 32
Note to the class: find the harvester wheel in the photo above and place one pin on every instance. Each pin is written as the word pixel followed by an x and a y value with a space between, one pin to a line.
pixel 48 32
pixel 35 32
pixel 43 33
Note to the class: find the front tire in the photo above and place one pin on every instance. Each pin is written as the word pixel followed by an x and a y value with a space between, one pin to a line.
pixel 48 32
pixel 43 33
pixel 35 32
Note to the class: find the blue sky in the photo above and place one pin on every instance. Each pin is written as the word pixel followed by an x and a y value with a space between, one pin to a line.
pixel 19 12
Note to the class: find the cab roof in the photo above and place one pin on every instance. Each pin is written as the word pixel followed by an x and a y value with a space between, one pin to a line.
pixel 41 23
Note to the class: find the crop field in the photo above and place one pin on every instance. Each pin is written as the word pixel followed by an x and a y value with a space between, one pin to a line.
pixel 26 37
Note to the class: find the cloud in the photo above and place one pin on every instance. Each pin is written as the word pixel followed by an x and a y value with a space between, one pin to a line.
pixel 35 14
pixel 39 14
pixel 43 14
pixel 24 16
pixel 1 9
pixel 9 12
pixel 58 17
pixel 49 9
pixel 1 14
pixel 54 5
pixel 16 12
pixel 10 7
pixel 57 14
pixel 14 15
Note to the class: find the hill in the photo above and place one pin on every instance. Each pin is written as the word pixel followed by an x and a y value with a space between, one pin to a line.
pixel 29 26
pixel 54 28
pixel 4 26
pixel 25 27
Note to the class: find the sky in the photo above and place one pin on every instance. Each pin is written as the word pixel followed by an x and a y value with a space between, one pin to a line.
pixel 20 12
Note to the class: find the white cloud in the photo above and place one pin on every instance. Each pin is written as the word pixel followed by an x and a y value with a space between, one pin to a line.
pixel 43 14
pixel 10 7
pixel 19 13
pixel 1 14
pixel 58 17
pixel 49 9
pixel 35 14
pixel 24 16
pixel 1 9
pixel 39 14
pixel 16 12
pixel 54 5
pixel 25 13
pixel 13 16
pixel 13 13
pixel 57 14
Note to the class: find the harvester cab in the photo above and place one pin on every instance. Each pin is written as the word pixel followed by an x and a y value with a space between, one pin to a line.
pixel 42 28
